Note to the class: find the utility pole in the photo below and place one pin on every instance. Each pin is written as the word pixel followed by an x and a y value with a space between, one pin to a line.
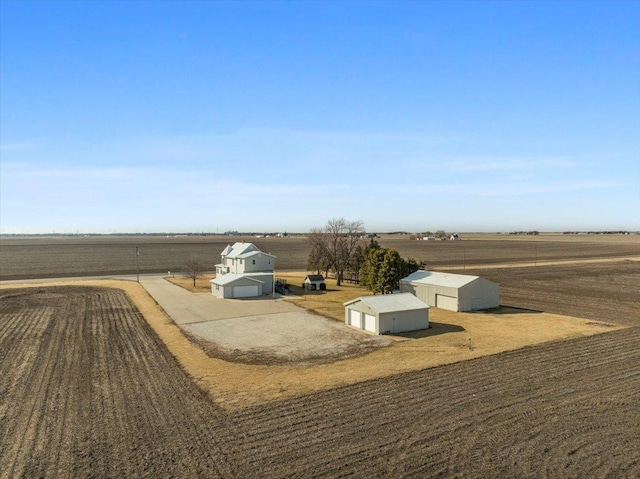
pixel 137 264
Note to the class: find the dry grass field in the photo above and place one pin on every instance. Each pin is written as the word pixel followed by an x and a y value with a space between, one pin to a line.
pixel 87 389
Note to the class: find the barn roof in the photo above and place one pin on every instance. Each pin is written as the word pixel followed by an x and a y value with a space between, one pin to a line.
pixel 387 303
pixel 440 279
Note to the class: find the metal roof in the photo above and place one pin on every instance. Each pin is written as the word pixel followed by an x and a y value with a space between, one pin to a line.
pixel 387 303
pixel 235 250
pixel 229 278
pixel 314 277
pixel 242 250
pixel 440 279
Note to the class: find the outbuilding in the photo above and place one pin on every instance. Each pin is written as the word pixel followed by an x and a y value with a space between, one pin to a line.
pixel 455 292
pixel 314 282
pixel 387 313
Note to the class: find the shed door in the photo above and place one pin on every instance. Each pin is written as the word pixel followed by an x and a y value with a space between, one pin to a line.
pixel 245 291
pixel 354 318
pixel 446 302
pixel 369 322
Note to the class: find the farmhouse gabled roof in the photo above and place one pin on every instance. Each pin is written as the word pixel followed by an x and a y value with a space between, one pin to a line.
pixel 441 279
pixel 229 278
pixel 242 250
pixel 387 303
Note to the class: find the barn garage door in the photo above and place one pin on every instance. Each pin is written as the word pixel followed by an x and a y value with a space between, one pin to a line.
pixel 369 322
pixel 446 302
pixel 354 318
pixel 245 291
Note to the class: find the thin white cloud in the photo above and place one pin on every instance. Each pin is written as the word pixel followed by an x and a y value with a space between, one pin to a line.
pixel 471 165
pixel 513 189
pixel 17 146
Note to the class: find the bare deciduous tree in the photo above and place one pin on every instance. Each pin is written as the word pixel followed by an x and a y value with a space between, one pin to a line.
pixel 334 246
pixel 193 268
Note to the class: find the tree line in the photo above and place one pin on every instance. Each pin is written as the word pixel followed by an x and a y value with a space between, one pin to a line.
pixel 338 248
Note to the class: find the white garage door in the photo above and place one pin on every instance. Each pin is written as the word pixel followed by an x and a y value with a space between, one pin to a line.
pixel 354 318
pixel 446 302
pixel 245 291
pixel 369 322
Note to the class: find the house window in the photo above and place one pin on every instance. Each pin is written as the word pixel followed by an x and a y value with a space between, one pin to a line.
pixel 254 261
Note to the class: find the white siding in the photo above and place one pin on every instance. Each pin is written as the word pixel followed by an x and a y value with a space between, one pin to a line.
pixel 446 302
pixel 405 321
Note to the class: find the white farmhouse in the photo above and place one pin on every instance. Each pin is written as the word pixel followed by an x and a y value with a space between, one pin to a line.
pixel 244 271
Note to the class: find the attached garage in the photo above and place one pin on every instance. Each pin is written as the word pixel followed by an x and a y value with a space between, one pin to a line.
pixel 454 292
pixel 387 314
pixel 250 291
pixel 233 285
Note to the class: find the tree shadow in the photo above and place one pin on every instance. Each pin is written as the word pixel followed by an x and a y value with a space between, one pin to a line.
pixel 506 309
pixel 435 329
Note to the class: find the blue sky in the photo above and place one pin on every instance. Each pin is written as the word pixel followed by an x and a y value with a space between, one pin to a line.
pixel 123 116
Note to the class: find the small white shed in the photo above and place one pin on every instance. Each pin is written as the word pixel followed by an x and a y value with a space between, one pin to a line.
pixel 314 282
pixel 232 285
pixel 387 313
pixel 455 292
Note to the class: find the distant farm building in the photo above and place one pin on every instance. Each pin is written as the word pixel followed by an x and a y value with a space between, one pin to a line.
pixel 314 282
pixel 455 292
pixel 387 313
pixel 454 237
pixel 244 272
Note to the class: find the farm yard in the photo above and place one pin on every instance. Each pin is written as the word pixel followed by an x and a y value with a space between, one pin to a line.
pixel 88 389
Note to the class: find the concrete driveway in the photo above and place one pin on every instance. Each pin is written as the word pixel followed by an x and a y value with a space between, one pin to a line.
pixel 260 330
pixel 185 307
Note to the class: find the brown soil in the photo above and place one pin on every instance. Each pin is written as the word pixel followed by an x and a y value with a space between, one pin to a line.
pixel 88 390
pixel 606 291
pixel 43 257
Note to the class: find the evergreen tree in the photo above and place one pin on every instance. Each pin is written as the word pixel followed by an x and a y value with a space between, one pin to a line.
pixel 371 269
pixel 383 268
pixel 391 271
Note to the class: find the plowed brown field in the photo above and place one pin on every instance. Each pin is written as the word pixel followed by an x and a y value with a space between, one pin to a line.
pixel 50 257
pixel 87 390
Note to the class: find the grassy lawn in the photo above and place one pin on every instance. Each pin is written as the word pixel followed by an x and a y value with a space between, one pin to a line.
pixel 329 303
pixel 202 283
